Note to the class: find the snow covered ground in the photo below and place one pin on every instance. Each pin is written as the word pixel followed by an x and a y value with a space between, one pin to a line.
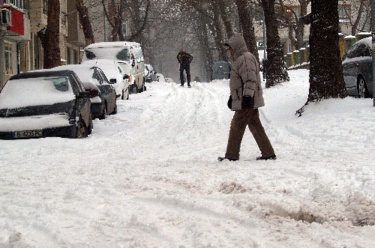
pixel 149 176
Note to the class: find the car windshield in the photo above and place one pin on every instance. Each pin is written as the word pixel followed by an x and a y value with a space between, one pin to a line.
pixel 19 93
pixel 113 53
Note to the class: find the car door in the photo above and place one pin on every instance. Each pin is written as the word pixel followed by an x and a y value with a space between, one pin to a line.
pixel 107 91
pixel 83 99
pixel 350 67
pixel 357 62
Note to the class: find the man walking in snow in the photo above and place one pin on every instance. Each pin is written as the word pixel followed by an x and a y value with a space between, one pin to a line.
pixel 184 59
pixel 246 96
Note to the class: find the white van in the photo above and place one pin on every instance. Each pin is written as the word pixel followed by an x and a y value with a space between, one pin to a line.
pixel 128 54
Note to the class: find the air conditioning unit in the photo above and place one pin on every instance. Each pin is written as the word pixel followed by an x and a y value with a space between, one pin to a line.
pixel 6 17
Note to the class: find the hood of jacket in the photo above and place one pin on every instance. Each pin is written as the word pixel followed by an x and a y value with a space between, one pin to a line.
pixel 237 42
pixel 244 76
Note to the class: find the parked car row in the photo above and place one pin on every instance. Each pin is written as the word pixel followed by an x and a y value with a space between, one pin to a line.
pixel 44 96
pixel 63 101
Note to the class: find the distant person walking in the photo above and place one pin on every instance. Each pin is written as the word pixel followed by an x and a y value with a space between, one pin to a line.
pixel 184 59
pixel 246 96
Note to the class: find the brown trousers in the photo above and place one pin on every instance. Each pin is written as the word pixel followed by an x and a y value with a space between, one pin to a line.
pixel 241 119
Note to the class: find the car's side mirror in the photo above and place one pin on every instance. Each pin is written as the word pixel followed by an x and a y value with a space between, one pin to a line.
pixel 112 81
pixel 93 92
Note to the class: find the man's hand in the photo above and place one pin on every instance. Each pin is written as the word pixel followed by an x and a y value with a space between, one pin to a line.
pixel 247 102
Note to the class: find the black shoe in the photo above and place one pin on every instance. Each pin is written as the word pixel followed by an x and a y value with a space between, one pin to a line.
pixel 224 158
pixel 182 85
pixel 273 157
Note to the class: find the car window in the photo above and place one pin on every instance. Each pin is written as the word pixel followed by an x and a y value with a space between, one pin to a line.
pixel 123 55
pixel 77 87
pixel 104 77
pixel 97 77
pixel 358 50
pixel 90 55
pixel 61 84
pixel 36 91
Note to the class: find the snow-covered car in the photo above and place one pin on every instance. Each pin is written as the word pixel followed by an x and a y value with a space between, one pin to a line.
pixel 103 104
pixel 357 69
pixel 128 54
pixel 45 104
pixel 115 74
pixel 149 73
pixel 169 80
pixel 160 78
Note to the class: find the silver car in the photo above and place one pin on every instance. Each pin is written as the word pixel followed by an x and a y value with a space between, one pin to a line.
pixel 357 69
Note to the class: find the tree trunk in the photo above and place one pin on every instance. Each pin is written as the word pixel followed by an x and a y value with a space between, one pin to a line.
pixel 85 22
pixel 50 37
pixel 206 51
pixel 246 21
pixel 276 69
pixel 326 77
pixel 225 17
pixel 223 53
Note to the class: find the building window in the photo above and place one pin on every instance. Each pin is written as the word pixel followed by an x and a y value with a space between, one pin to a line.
pixel 8 59
pixel 17 3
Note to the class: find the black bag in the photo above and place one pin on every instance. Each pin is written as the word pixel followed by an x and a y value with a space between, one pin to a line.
pixel 247 102
pixel 229 103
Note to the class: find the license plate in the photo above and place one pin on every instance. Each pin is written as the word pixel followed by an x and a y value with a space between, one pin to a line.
pixel 28 134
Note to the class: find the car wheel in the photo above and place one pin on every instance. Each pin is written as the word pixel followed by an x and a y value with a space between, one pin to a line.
pixel 81 129
pixel 114 109
pixel 362 89
pixel 104 113
pixel 135 89
pixel 90 127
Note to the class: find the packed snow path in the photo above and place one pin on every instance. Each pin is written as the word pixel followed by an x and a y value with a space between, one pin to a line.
pixel 149 176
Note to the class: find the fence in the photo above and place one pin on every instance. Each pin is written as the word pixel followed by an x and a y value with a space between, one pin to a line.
pixel 299 59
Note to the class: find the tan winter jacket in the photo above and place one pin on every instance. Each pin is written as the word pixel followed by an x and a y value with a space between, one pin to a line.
pixel 244 66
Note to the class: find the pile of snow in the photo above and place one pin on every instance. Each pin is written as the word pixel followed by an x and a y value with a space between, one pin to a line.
pixel 149 176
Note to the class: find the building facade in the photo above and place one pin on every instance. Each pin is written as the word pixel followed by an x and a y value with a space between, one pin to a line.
pixel 22 48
